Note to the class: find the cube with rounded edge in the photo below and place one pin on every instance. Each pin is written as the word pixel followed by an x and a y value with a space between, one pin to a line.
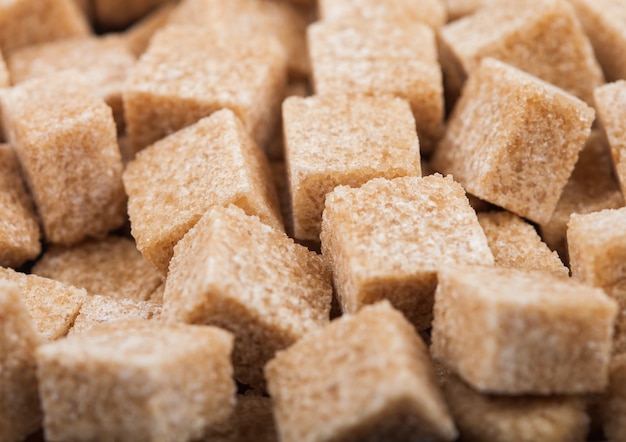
pixel 136 380
pixel 508 331
pixel 388 238
pixel 335 140
pixel 513 140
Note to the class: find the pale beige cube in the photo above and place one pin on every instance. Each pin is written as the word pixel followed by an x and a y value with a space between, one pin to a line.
pixel 136 380
pixel 100 309
pixel 343 140
pixel 611 107
pixel 117 14
pixel 612 404
pixel 509 331
pixel 388 238
pixel 213 162
pixel 138 36
pixel 366 376
pixel 235 272
pixel 513 140
pixel 251 420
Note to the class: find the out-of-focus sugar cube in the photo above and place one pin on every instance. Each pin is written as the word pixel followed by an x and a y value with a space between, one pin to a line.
pixel 138 36
pixel 388 238
pixel 175 181
pixel 513 140
pixel 343 140
pixel 251 420
pixel 117 14
pixel 509 331
pixel 235 272
pixel 612 404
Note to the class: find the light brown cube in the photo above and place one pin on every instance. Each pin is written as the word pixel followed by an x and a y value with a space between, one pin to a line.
pixel 366 376
pixel 160 382
pixel 362 138
pixel 65 139
pixel 138 36
pixel 171 88
pixel 613 403
pixel 235 272
pixel 27 22
pixel 513 140
pixel 541 37
pixel 20 413
pixel 388 238
pixel 251 420
pixel 508 331
pixel 516 244
pixel 375 58
pixel 52 305
pixel 19 229
pixel 213 162
pixel 117 14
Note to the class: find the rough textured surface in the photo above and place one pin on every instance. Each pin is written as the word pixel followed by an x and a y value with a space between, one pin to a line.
pixel 381 58
pixel 117 14
pixel 99 309
pixel 65 139
pixel 53 306
pixel 487 418
pixel 513 140
pixel 213 162
pixel 513 332
pixel 235 272
pixel 516 244
pixel 136 380
pixel 611 108
pixel 387 239
pixel 365 377
pixel 541 37
pixel 251 420
pixel 189 73
pixel 111 267
pixel 362 138
pixel 19 230
pixel 138 36
pixel 20 413
pixel 613 403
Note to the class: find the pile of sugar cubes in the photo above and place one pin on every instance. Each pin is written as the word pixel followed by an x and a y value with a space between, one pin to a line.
pixel 313 221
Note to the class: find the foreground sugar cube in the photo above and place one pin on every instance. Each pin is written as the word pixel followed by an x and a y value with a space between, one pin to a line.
pixel 388 238
pixel 513 140
pixel 169 89
pixel 613 403
pixel 251 420
pixel 235 272
pixel 20 413
pixel 65 139
pixel 528 332
pixel 362 138
pixel 375 58
pixel 213 162
pixel 362 375
pixel 161 382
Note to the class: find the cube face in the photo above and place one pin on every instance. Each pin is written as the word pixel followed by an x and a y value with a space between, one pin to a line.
pixel 380 58
pixel 358 373
pixel 232 271
pixel 79 157
pixel 217 70
pixel 136 365
pixel 513 140
pixel 213 162
pixel 528 332
pixel 388 238
pixel 341 140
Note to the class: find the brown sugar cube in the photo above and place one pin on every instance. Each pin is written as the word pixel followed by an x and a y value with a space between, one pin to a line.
pixel 253 18
pixel 381 58
pixel 362 138
pixel 592 187
pixel 541 37
pixel 487 418
pixel 516 244
pixel 513 140
pixel 190 171
pixel 526 333
pixel 117 14
pixel 251 420
pixel 169 89
pixel 429 12
pixel 366 376
pixel 112 267
pixel 19 230
pixel 20 413
pixel 52 305
pixel 613 403
pixel 138 36
pixel 27 22
pixel 65 139
pixel 136 380
pixel 235 272
pixel 388 238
